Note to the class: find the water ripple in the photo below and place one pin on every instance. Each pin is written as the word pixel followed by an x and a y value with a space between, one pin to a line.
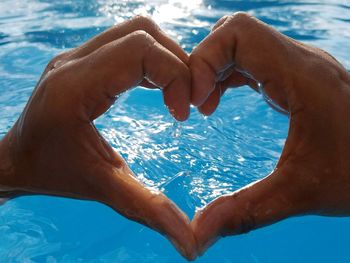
pixel 213 156
pixel 24 235
pixel 193 163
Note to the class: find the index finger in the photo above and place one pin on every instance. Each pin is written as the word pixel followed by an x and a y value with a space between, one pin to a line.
pixel 243 42
pixel 127 27
pixel 123 64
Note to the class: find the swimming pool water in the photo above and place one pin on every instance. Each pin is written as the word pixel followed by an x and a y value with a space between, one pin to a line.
pixel 193 162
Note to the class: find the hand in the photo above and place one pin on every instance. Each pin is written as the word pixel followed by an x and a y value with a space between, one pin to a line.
pixel 313 173
pixel 55 149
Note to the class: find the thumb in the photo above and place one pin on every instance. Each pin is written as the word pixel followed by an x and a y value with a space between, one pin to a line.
pixel 123 192
pixel 259 204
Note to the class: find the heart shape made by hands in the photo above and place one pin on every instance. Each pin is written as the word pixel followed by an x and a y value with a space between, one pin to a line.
pixel 54 147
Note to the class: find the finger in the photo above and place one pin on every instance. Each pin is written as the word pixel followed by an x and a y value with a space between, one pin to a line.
pixel 130 198
pixel 257 205
pixel 123 29
pixel 208 107
pixel 234 79
pixel 220 22
pixel 146 84
pixel 125 63
pixel 241 41
pixel 237 79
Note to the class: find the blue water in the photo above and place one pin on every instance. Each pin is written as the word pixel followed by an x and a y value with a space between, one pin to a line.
pixel 192 163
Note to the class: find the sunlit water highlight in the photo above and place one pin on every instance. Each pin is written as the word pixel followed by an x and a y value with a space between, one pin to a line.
pixel 193 162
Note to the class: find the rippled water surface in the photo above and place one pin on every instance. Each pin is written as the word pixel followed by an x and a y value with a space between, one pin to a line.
pixel 193 162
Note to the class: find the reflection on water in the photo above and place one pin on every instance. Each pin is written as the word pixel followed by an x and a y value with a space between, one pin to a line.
pixel 178 17
pixel 193 162
pixel 213 156
pixel 162 11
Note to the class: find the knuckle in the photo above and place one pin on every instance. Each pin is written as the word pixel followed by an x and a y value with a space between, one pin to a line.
pixel 222 20
pixel 140 36
pixel 158 201
pixel 225 17
pixel 247 224
pixel 239 224
pixel 146 23
pixel 241 18
pixel 240 221
pixel 141 40
pixel 198 59
pixel 322 61
pixel 57 61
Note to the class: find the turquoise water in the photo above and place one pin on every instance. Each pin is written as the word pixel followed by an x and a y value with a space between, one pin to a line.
pixel 193 163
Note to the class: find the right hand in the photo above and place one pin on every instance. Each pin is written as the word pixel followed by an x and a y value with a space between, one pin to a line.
pixel 312 175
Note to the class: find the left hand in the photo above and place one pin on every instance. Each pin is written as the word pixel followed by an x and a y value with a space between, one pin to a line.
pixel 54 147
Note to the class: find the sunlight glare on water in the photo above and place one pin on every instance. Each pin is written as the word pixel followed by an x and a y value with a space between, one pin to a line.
pixel 193 162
